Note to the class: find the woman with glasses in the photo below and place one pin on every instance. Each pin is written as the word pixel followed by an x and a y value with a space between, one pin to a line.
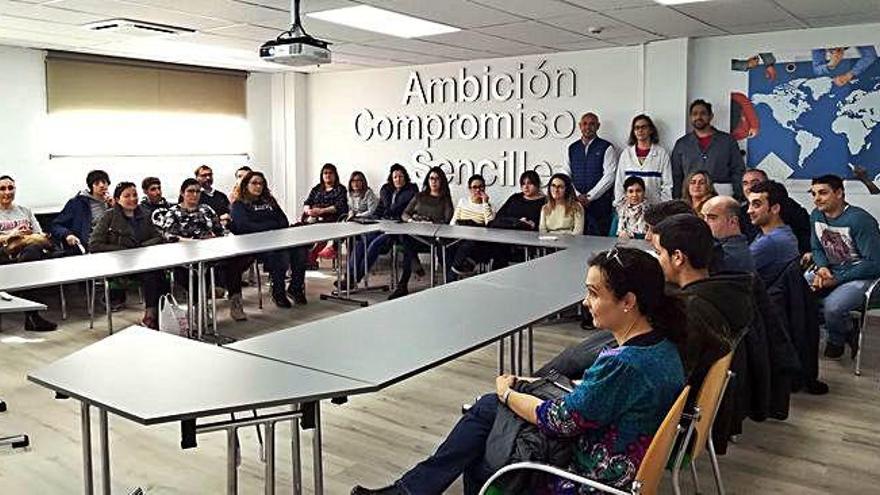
pixel 126 226
pixel 474 211
pixel 432 205
pixel 258 211
pixel 646 159
pixel 611 415
pixel 698 188
pixel 191 220
pixel 563 213
pixel 362 201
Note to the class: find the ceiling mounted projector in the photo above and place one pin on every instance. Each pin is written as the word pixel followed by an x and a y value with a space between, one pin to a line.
pixel 295 47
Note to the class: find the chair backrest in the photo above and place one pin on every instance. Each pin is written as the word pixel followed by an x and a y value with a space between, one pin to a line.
pixel 654 463
pixel 708 400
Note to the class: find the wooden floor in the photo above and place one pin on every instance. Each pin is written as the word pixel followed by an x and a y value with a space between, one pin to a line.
pixel 830 444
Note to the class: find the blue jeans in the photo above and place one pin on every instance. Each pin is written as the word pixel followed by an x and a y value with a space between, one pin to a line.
pixel 277 262
pixel 837 305
pixel 371 247
pixel 460 454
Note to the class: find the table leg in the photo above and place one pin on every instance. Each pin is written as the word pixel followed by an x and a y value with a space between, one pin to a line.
pixel 501 356
pixel 107 305
pixel 433 253
pixel 270 458
pixel 231 461
pixel 512 354
pixel 531 333
pixel 200 313
pixel 104 443
pixel 443 264
pixel 318 463
pixel 519 347
pixel 296 463
pixel 190 300
pixel 85 417
pixel 213 304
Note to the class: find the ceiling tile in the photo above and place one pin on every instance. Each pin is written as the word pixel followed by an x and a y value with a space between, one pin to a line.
pixel 531 9
pixel 829 8
pixel 723 13
pixel 636 39
pixel 419 46
pixel 764 27
pixel 39 12
pixel 120 9
pixel 584 45
pixel 246 31
pixel 457 13
pixel 665 21
pixel 606 5
pixel 533 33
pixel 305 6
pixel 471 39
pixel 231 10
pixel 581 23
pixel 846 20
pixel 386 54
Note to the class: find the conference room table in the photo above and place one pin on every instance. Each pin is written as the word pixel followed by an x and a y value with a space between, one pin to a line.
pixel 152 378
pixel 348 354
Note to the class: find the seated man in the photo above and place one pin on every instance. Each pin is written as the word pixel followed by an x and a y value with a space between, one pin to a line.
pixel 218 201
pixel 721 213
pixel 846 250
pixel 775 246
pixel 153 199
pixel 73 226
pixel 17 221
pixel 792 213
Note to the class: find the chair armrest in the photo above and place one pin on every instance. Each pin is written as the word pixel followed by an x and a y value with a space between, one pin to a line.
pixel 533 466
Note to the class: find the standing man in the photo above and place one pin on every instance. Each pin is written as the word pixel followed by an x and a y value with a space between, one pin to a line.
pixel 210 196
pixel 592 164
pixel 846 250
pixel 707 148
pixel 775 246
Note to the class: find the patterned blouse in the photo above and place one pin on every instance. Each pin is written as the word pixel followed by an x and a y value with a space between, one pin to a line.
pixel 200 223
pixel 615 411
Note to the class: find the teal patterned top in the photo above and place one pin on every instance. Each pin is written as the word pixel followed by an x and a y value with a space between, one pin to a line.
pixel 615 411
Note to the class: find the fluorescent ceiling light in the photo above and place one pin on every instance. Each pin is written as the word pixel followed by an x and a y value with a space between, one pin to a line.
pixel 678 2
pixel 382 21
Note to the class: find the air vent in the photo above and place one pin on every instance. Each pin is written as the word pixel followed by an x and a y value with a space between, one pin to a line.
pixel 136 28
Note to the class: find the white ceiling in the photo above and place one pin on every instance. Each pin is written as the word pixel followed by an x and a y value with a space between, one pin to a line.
pixel 229 32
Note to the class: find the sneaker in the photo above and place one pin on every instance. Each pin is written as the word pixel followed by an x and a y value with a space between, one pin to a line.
pixel 33 322
pixel 280 299
pixel 816 387
pixel 298 295
pixel 833 351
pixel 400 291
pixel 219 292
pixel 236 309
pixel 328 253
pixel 419 270
pixel 465 268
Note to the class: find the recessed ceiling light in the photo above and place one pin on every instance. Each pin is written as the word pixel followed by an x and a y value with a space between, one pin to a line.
pixel 678 2
pixel 382 21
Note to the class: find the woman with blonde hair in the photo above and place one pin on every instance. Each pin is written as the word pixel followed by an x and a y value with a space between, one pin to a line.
pixel 562 213
pixel 698 189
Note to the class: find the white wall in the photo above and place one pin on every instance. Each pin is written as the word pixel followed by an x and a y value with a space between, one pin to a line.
pixel 46 184
pixel 710 78
pixel 609 82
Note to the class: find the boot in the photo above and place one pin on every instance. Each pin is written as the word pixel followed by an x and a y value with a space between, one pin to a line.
pixel 33 322
pixel 236 309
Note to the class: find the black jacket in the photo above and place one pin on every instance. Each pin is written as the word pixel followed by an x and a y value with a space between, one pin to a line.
pixel 257 216
pixel 391 205
pixel 114 231
pixel 799 311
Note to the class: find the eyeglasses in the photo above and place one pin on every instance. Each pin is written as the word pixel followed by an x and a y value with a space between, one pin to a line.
pixel 7 188
pixel 192 191
pixel 478 188
pixel 206 175
pixel 640 127
pixel 557 186
pixel 257 183
pixel 433 177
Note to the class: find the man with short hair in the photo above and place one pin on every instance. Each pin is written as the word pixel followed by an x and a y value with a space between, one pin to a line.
pixel 591 163
pixel 721 213
pixel 73 226
pixel 707 148
pixel 153 199
pixel 776 246
pixel 658 212
pixel 719 308
pixel 218 201
pixel 791 212
pixel 846 251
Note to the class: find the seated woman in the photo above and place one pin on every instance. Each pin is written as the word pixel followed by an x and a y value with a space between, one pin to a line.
pixel 257 211
pixel 18 223
pixel 362 201
pixel 432 205
pixel 327 202
pixel 631 209
pixel 124 227
pixel 562 213
pixel 613 413
pixel 394 196
pixel 521 211
pixel 475 210
pixel 188 221
pixel 698 190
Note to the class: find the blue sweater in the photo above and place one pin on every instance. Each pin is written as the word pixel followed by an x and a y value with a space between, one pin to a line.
pixel 773 252
pixel 257 216
pixel 392 202
pixel 848 245
pixel 616 410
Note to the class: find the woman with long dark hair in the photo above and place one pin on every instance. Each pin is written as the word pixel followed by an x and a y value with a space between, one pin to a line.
pixel 562 213
pixel 256 210
pixel 327 202
pixel 612 414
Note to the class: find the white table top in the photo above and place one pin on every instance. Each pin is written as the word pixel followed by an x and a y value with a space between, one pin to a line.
pixel 18 304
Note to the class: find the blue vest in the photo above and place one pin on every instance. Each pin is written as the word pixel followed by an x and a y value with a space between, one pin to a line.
pixel 586 168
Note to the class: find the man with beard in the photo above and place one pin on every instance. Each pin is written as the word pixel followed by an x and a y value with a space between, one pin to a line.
pixel 709 149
